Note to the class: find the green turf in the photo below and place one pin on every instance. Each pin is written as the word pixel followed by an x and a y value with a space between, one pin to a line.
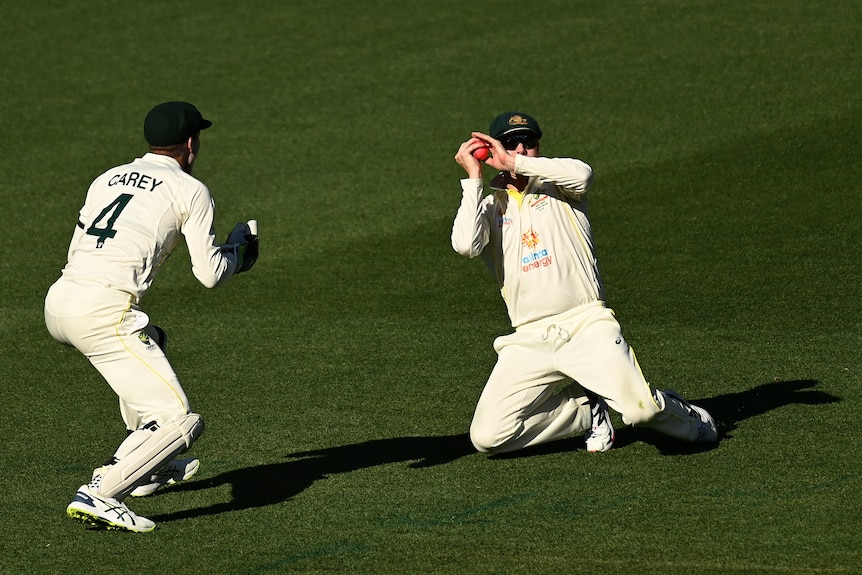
pixel 338 378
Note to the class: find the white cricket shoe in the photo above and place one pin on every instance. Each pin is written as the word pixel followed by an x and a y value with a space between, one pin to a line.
pixel 105 512
pixel 600 438
pixel 174 471
pixel 707 432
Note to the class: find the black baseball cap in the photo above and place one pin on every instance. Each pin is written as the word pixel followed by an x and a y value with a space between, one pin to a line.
pixel 173 123
pixel 510 122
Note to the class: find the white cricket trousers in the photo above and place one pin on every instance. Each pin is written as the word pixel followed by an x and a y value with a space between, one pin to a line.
pixel 108 328
pixel 527 401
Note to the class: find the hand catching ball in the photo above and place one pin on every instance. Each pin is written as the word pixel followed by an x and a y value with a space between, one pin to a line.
pixel 482 153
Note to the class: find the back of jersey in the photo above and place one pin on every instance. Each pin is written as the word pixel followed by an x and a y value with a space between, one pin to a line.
pixel 131 220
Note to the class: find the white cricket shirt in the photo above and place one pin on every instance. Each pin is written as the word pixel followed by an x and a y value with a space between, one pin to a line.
pixel 132 219
pixel 536 241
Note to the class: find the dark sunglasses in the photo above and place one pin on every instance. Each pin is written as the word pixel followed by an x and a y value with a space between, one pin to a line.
pixel 511 142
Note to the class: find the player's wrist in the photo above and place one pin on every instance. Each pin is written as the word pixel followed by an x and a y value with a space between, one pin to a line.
pixel 234 250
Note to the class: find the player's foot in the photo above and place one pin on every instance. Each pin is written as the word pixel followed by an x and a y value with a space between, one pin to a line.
pixel 707 431
pixel 601 436
pixel 174 471
pixel 105 512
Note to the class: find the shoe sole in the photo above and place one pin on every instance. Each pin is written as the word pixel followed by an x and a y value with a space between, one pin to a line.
pixel 703 415
pixel 100 522
pixel 712 435
pixel 189 473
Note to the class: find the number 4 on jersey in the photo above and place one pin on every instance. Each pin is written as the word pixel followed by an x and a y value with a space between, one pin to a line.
pixel 114 208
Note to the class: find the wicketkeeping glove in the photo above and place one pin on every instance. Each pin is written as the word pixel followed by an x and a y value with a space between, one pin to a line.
pixel 244 245
pixel 250 250
pixel 238 233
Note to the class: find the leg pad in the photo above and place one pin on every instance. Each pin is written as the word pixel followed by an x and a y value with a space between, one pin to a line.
pixel 144 451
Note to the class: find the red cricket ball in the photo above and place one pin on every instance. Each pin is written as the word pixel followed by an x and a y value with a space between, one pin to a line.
pixel 482 153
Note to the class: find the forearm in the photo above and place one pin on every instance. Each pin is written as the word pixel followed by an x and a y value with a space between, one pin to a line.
pixel 470 228
pixel 212 265
pixel 570 174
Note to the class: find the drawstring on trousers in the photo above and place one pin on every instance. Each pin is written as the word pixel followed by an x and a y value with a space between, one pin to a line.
pixel 562 333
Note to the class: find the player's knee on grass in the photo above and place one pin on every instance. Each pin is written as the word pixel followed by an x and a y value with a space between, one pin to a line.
pixel 480 444
pixel 487 439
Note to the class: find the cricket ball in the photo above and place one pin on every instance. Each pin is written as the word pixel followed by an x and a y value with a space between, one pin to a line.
pixel 482 153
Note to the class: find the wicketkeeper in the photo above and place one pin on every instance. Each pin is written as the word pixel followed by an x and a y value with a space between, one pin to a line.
pixel 133 217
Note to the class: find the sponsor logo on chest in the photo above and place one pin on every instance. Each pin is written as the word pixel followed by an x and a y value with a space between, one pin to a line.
pixel 538 257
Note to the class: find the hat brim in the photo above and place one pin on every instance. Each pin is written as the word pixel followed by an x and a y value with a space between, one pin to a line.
pixel 519 130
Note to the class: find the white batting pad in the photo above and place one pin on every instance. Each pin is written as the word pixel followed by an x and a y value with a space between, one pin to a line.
pixel 146 450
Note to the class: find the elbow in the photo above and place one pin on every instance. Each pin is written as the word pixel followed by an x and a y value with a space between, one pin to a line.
pixel 459 249
pixel 466 250
pixel 211 280
pixel 208 282
pixel 468 245
pixel 586 180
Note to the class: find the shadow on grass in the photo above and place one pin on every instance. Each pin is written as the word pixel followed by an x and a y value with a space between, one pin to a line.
pixel 277 482
pixel 728 410
pixel 731 408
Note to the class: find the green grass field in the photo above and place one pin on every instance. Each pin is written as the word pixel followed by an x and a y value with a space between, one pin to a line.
pixel 338 378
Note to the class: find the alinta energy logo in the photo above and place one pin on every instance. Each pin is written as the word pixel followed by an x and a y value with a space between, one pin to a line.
pixel 539 258
pixel 530 238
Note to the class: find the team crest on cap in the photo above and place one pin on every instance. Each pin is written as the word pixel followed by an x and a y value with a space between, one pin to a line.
pixel 518 120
